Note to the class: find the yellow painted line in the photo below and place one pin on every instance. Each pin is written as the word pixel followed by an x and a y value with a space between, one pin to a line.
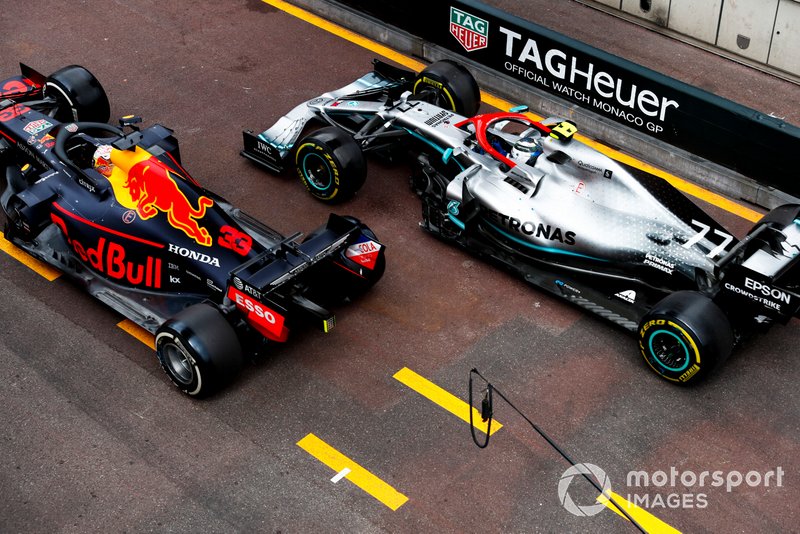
pixel 359 476
pixel 138 332
pixel 446 400
pixel 679 183
pixel 29 261
pixel 346 34
pixel 646 520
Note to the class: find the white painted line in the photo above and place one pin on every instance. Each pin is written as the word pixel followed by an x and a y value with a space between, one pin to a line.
pixel 340 475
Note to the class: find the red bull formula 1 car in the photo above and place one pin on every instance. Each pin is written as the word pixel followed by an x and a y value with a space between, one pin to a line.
pixel 113 208
pixel 614 240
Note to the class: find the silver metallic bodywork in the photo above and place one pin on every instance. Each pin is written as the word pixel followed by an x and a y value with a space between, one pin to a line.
pixel 606 236
pixel 612 215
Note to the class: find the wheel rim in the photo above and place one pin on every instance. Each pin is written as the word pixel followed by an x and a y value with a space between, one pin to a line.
pixel 669 350
pixel 317 171
pixel 180 368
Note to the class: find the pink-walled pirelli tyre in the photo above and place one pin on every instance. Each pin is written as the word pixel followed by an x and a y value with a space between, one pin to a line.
pixel 199 350
pixel 331 165
pixel 685 336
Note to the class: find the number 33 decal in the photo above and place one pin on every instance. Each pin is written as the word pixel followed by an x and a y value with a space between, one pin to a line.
pixel 704 228
pixel 235 240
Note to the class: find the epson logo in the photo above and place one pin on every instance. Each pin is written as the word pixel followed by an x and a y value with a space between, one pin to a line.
pixel 194 255
pixel 766 290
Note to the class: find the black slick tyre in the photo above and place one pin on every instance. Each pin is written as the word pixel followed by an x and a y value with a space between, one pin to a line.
pixel 331 165
pixel 79 95
pixel 199 350
pixel 684 337
pixel 449 85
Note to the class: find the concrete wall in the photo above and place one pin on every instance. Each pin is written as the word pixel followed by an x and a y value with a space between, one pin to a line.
pixel 760 32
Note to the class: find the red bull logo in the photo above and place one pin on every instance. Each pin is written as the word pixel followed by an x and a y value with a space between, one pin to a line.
pixel 110 258
pixel 143 183
pixel 153 189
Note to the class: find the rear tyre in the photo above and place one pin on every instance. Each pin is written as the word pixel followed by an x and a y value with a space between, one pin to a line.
pixel 199 350
pixel 79 95
pixel 449 85
pixel 331 165
pixel 684 337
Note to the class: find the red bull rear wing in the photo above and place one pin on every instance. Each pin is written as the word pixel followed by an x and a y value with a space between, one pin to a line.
pixel 278 283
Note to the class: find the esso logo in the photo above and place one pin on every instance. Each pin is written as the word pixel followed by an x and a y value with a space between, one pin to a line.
pixel 243 301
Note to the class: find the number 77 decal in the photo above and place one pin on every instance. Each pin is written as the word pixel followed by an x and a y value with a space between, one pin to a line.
pixel 704 228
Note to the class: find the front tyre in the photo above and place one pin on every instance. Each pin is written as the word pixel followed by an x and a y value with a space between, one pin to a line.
pixel 684 337
pixel 78 94
pixel 331 165
pixel 199 350
pixel 449 85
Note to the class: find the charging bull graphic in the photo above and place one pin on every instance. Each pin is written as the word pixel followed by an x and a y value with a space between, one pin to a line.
pixel 143 183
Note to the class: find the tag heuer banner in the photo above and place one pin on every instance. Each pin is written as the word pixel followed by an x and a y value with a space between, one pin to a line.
pixel 655 104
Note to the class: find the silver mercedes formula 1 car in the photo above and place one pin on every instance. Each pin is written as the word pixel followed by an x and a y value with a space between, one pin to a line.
pixel 610 238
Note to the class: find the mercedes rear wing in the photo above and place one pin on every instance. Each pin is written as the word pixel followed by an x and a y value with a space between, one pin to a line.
pixel 763 270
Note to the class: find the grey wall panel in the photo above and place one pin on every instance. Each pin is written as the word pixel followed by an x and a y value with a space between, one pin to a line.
pixel 785 51
pixel 746 27
pixel 656 11
pixel 696 18
pixel 616 4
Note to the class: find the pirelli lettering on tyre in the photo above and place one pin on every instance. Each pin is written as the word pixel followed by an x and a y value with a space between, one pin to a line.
pixel 318 170
pixel 689 374
pixel 680 363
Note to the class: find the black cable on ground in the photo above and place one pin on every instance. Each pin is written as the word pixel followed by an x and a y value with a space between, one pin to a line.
pixel 487 415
